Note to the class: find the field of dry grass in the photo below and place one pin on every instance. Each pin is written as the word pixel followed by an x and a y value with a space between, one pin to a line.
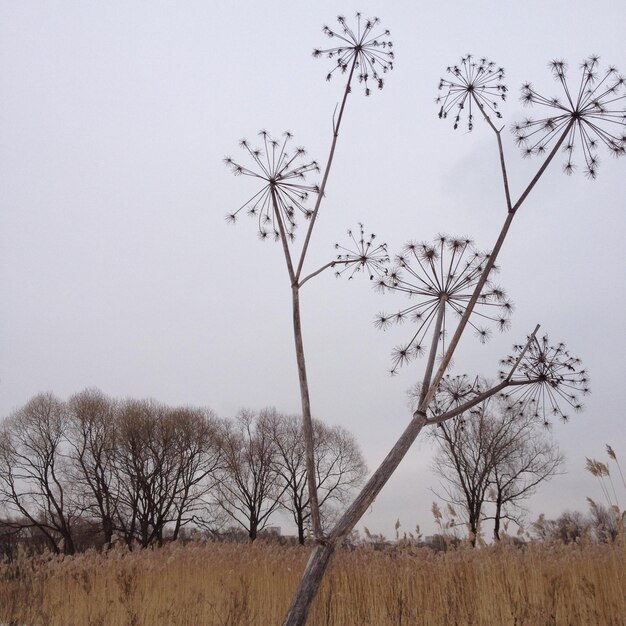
pixel 240 584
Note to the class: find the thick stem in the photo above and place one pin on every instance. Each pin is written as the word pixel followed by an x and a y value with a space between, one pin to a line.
pixel 318 561
pixel 309 584
pixel 307 422
pixel 433 349
pixel 542 169
pixel 283 237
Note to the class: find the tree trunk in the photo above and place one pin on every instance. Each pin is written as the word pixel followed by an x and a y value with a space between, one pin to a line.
pixel 301 535
pixel 68 544
pixel 496 523
pixel 107 531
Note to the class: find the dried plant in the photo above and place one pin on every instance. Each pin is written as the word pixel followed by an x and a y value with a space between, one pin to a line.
pixel 593 113
pixel 449 277
pixel 553 380
pixel 442 277
pixel 455 391
pixel 361 50
pixel 248 584
pixel 602 471
pixel 361 255
pixel 284 191
pixel 479 81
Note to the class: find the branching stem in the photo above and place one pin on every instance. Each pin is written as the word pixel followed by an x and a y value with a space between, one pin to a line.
pixel 320 556
pixel 321 269
pixel 505 178
pixel 329 163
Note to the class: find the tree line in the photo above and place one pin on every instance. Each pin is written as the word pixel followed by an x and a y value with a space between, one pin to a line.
pixel 95 470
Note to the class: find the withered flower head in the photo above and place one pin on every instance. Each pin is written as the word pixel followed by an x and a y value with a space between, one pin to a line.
pixel 474 81
pixel 284 190
pixel 594 111
pixel 361 255
pixel 552 380
pixel 441 275
pixel 363 49
pixel 453 391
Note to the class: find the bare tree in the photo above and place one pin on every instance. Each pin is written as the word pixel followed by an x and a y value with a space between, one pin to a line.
pixel 339 467
pixel 532 459
pixel 492 455
pixel 251 488
pixel 166 462
pixel 92 438
pixel 467 453
pixel 139 470
pixel 33 470
pixel 199 453
pixel 569 527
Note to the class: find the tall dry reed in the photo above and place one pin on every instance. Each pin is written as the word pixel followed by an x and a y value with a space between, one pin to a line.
pixel 235 584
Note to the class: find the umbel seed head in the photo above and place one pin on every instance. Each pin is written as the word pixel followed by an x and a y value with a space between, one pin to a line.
pixel 472 82
pixel 362 49
pixel 284 191
pixel 591 114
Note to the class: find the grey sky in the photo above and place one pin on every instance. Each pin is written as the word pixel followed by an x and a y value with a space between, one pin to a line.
pixel 117 269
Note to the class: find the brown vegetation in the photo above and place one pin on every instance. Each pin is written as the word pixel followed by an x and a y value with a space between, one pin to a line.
pixel 228 583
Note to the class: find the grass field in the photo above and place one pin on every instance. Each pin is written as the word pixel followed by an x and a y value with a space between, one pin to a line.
pixel 241 584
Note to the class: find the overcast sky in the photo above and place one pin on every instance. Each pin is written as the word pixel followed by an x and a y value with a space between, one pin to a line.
pixel 118 271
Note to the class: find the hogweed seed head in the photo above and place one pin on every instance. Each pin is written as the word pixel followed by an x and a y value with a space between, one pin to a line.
pixel 363 254
pixel 441 275
pixel 474 80
pixel 554 380
pixel 363 46
pixel 284 190
pixel 595 111
pixel 452 392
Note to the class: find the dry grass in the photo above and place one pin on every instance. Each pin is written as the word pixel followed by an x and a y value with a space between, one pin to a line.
pixel 252 584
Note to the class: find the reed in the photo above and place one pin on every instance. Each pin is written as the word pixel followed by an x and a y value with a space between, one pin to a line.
pixel 241 584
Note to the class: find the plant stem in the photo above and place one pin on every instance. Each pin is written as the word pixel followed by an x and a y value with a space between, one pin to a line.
pixel 320 556
pixel 433 348
pixel 505 178
pixel 478 399
pixel 485 275
pixel 283 236
pixel 329 162
pixel 307 421
pixel 321 269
